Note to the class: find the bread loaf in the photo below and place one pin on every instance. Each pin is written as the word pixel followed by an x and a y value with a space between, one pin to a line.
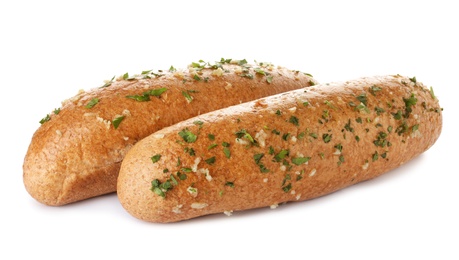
pixel 293 146
pixel 77 151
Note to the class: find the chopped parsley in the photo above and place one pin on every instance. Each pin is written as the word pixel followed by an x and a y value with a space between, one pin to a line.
pixel 374 89
pixel 187 136
pixel 187 96
pixel 146 95
pixel 294 120
pixel 45 119
pixel 281 155
pixel 300 160
pixel 117 121
pixel 155 158
pixel 210 161
pixel 92 103
pixel 327 137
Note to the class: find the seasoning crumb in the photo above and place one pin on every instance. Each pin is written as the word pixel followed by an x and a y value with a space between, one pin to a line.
pixel 198 205
pixel 228 212
pixel 274 206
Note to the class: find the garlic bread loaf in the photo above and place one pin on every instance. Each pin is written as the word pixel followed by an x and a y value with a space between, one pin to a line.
pixel 77 151
pixel 293 146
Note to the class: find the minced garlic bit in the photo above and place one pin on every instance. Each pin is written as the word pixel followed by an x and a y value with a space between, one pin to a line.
pixel 293 192
pixel 265 180
pixel 198 205
pixel 261 137
pixel 298 196
pixel 313 171
pixel 179 74
pixel 274 206
pixel 126 112
pixel 228 212
pixel 228 86
pixel 241 141
pixel 125 138
pixel 177 209
pixel 194 167
pixel 365 166
pixel 218 72
pixel 283 168
pixel 293 139
pixel 107 123
pixel 192 191
pixel 59 133
pixel 206 173
pixel 292 109
pixel 158 136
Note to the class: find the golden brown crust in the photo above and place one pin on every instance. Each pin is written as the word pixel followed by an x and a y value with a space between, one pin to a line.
pixel 76 154
pixel 289 147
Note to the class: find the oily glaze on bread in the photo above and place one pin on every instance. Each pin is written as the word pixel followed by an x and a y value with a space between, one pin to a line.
pixel 76 152
pixel 289 147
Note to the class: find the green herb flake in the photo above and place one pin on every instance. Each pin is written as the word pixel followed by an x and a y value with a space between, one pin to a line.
pixel 229 184
pixel 306 103
pixel 327 137
pixel 45 119
pixel 117 121
pixel 359 120
pixel 357 138
pixel 186 169
pixel 155 158
pixel 398 115
pixel 294 120
pixel 211 137
pixel 313 135
pixel 363 98
pixel 413 79
pixel 340 160
pixel 257 157
pixel 172 69
pixel 210 161
pixel 187 96
pixel 57 111
pixel 415 128
pixel 225 144
pixel 281 155
pixel 278 112
pixel 375 156
pixel 287 188
pixel 269 79
pixel 432 94
pixel 300 160
pixel 212 146
pixel 187 136
pixel 374 89
pixel 227 152
pixel 156 92
pixel 92 103
pixel 196 77
pixel 182 176
pixel 379 110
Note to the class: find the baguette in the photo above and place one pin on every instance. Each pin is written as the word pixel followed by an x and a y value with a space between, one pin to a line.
pixel 292 146
pixel 77 151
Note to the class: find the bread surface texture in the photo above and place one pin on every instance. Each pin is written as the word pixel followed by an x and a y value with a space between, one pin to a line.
pixel 293 146
pixel 76 152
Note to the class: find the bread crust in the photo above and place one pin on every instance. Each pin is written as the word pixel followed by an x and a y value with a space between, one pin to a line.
pixel 292 146
pixel 77 151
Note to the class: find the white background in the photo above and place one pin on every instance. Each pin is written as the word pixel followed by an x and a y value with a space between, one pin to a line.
pixel 51 49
